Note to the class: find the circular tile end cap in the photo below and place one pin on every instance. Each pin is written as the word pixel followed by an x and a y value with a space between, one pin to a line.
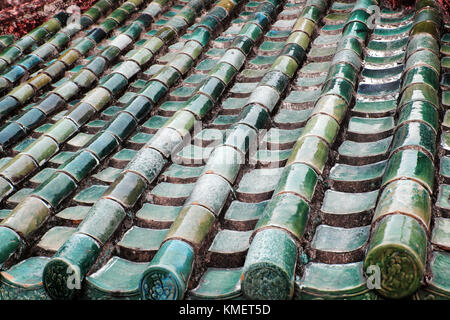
pixel 167 276
pixel 398 249
pixel 161 283
pixel 265 281
pixel 57 277
pixel 270 265
pixel 63 274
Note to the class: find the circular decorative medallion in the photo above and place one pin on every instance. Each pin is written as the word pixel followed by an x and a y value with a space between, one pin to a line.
pixel 266 283
pixel 157 284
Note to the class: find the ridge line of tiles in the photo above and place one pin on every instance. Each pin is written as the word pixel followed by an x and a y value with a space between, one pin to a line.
pixel 340 239
pixel 269 267
pixel 436 286
pixel 91 281
pixel 400 225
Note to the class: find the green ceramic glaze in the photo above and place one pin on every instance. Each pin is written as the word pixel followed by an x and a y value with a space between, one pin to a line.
pixel 286 211
pixel 218 284
pixel 415 135
pixel 27 217
pixel 405 197
pixel 23 281
pixel 419 111
pixel 334 282
pixel 10 242
pixel 191 225
pixel 102 220
pixel 69 266
pixel 298 178
pixel 310 150
pixel 126 189
pixel 168 274
pixel 322 126
pixel 410 164
pixel 398 247
pixel 269 266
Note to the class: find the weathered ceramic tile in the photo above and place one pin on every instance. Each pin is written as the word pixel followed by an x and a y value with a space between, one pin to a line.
pixel 209 137
pixel 243 89
pixel 182 93
pixel 61 157
pixel 80 140
pixel 438 284
pixel 270 158
pixel 243 215
pixel 276 35
pixel 308 82
pixel 73 215
pixel 391 59
pixel 54 238
pixel 291 119
pixel 90 195
pixel 301 99
pixel 22 146
pixel 140 244
pixel 315 68
pixel 378 108
pixel 177 173
pixel 205 65
pixel 41 176
pixel 223 121
pixel 139 139
pixel 270 47
pixel 4 213
pixel 95 125
pixel 441 233
pixel 218 284
pixel 108 175
pixel 362 178
pixel 333 281
pixel 370 129
pixel 18 196
pixel 157 216
pixel 413 164
pixel 258 185
pixel 229 248
pixel 382 73
pixel 342 209
pixel 326 40
pixel 24 280
pixel 339 245
pixel 281 139
pixel 192 155
pixel 262 61
pixel 171 194
pixel 117 279
pixel 121 158
pixel 361 153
